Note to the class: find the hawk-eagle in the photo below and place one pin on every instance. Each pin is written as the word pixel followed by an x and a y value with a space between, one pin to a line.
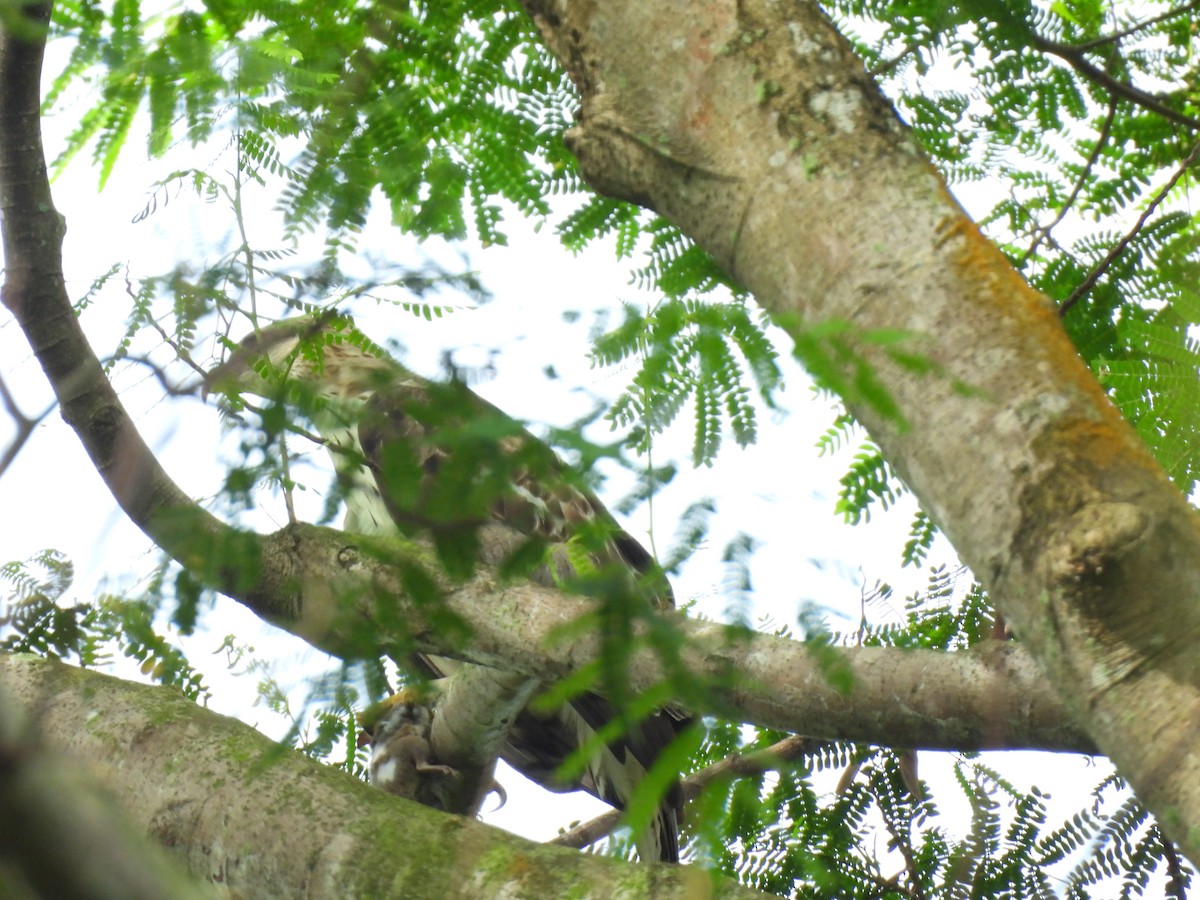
pixel 384 427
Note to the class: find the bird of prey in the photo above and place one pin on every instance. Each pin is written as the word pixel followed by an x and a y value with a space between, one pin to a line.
pixel 396 442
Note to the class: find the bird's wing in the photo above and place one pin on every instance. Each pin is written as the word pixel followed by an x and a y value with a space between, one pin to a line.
pixel 446 460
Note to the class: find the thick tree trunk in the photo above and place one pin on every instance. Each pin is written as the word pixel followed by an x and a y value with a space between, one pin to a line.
pixel 62 836
pixel 753 127
pixel 262 821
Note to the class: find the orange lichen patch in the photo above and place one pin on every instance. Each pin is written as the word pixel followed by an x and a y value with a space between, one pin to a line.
pixel 1102 443
pixel 1103 453
pixel 998 287
pixel 979 260
pixel 704 40
pixel 699 113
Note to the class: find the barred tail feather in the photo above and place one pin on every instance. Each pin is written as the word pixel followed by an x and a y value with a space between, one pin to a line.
pixel 661 840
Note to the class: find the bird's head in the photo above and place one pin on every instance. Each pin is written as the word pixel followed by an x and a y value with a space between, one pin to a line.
pixel 324 355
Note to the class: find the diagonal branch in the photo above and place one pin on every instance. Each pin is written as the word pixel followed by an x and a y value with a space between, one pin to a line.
pixel 1109 258
pixel 264 821
pixel 1043 233
pixel 25 426
pixel 1081 64
pixel 1116 36
pixel 739 765
pixel 35 292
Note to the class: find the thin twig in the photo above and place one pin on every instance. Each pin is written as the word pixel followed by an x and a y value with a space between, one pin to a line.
pixel 1133 29
pixel 1083 66
pixel 285 456
pixel 1088 283
pixel 888 64
pixel 1040 234
pixel 171 389
pixel 735 766
pixel 25 426
pixel 903 844
pixel 180 351
pixel 298 430
pixel 1024 207
pixel 286 473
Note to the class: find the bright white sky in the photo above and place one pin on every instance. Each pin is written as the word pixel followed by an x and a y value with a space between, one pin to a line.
pixel 779 491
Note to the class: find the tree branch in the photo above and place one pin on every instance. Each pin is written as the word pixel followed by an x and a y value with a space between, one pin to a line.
pixel 1074 57
pixel 1043 233
pixel 34 291
pixel 1109 258
pixel 778 755
pixel 25 426
pixel 1116 36
pixel 347 596
pixel 264 821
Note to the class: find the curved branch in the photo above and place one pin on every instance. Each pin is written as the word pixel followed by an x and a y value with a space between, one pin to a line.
pixel 35 292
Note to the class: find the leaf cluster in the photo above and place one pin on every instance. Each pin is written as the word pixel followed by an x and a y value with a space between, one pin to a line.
pixel 858 821
pixel 452 113
pixel 688 350
pixel 37 618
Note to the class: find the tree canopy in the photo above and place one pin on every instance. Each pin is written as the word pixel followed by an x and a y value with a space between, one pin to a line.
pixel 777 180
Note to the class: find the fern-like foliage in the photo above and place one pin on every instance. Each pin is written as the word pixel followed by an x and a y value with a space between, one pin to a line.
pixel 442 107
pixel 452 113
pixel 1150 366
pixel 38 619
pixel 843 820
pixel 689 350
